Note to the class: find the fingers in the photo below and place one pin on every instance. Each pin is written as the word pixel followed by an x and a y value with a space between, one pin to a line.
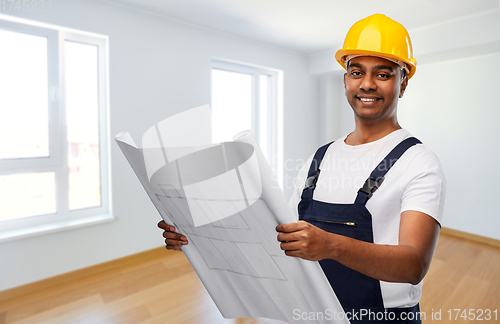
pixel 301 240
pixel 295 254
pixel 298 249
pixel 290 246
pixel 291 227
pixel 174 241
pixel 292 249
pixel 175 236
pixel 291 231
pixel 166 227
pixel 284 237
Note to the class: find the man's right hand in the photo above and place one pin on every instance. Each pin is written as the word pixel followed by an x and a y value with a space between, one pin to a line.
pixel 173 240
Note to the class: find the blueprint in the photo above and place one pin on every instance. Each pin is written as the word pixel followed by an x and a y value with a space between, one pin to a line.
pixel 225 199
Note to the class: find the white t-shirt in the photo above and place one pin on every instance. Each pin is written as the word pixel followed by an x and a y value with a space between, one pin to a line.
pixel 415 182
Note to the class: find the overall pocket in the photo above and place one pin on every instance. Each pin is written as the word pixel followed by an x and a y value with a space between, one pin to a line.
pixel 354 289
pixel 344 219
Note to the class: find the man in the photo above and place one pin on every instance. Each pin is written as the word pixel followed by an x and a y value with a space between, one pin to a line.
pixel 374 241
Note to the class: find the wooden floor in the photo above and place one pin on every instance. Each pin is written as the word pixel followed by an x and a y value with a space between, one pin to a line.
pixel 160 287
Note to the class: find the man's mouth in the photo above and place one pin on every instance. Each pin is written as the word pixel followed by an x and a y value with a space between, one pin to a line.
pixel 367 99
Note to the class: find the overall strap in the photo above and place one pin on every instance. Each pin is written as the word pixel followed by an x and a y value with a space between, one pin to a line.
pixel 313 174
pixel 377 176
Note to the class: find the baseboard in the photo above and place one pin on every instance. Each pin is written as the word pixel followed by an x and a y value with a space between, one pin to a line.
pixel 81 273
pixel 472 237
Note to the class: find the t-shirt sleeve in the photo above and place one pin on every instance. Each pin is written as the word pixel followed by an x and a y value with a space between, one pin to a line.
pixel 299 182
pixel 426 186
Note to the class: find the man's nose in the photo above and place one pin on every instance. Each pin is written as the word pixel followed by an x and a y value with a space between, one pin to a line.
pixel 368 83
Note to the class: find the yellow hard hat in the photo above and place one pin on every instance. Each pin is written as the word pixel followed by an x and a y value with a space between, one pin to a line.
pixel 379 35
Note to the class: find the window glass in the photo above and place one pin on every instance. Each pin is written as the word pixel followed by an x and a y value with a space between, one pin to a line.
pixel 264 115
pixel 82 119
pixel 231 104
pixel 27 194
pixel 24 102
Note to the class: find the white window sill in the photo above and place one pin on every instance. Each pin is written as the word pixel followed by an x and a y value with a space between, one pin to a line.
pixel 53 227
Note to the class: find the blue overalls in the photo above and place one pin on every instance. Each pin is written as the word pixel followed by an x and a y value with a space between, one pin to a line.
pixel 354 290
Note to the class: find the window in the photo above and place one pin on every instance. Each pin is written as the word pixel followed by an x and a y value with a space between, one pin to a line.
pixel 53 130
pixel 248 97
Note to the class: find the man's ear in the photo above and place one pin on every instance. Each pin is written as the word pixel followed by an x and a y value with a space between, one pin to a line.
pixel 404 83
pixel 345 77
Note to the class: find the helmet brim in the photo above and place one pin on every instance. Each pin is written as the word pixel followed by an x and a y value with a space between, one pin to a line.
pixel 412 63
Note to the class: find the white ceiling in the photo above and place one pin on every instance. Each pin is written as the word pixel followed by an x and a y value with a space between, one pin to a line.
pixel 306 26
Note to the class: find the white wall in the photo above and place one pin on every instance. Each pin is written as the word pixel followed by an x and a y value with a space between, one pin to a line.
pixel 466 37
pixel 158 67
pixel 450 104
pixel 335 114
pixel 452 108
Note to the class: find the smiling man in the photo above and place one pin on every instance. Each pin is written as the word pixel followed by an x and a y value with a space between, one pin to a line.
pixel 370 204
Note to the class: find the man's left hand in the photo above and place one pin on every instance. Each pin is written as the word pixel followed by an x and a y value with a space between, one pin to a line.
pixel 304 240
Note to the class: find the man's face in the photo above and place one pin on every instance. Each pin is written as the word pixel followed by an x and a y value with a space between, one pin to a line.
pixel 373 86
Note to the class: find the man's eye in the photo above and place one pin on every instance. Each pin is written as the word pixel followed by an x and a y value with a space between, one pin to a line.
pixel 383 75
pixel 355 73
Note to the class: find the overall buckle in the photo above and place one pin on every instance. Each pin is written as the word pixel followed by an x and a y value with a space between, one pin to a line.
pixel 371 185
pixel 311 181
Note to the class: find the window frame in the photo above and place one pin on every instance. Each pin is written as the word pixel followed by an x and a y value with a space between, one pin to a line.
pixel 275 111
pixel 57 161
